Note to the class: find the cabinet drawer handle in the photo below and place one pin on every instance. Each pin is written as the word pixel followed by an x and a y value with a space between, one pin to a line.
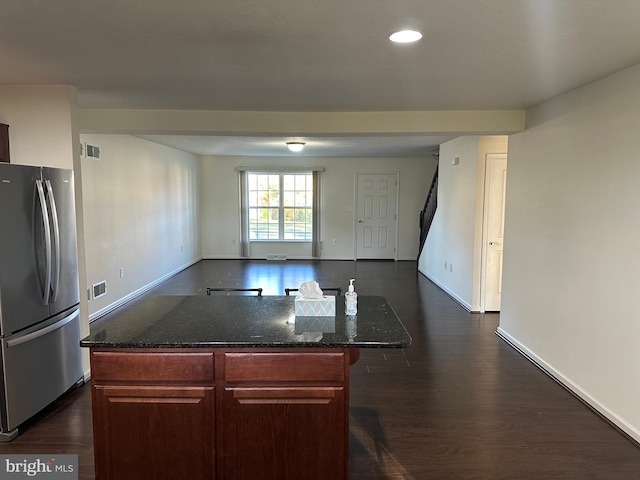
pixel 285 395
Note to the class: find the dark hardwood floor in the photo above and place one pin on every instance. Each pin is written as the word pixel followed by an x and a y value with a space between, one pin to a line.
pixel 459 403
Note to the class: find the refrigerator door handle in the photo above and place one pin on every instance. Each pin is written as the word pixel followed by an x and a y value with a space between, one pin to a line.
pixel 42 332
pixel 55 282
pixel 47 241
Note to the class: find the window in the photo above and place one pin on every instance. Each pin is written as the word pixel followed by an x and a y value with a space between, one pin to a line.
pixel 276 205
pixel 280 206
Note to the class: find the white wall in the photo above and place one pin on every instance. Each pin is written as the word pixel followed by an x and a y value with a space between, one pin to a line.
pixel 572 259
pixel 220 201
pixel 455 237
pixel 141 214
pixel 40 124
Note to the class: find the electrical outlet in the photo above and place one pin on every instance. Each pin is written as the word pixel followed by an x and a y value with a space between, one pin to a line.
pixel 333 241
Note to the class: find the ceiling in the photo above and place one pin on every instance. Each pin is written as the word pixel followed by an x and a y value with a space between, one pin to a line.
pixel 315 56
pixel 316 146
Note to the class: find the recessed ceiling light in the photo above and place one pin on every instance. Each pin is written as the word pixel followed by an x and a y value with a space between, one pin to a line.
pixel 295 146
pixel 405 36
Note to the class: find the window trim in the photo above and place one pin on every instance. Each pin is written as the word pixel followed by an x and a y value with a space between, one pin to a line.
pixel 245 243
pixel 281 208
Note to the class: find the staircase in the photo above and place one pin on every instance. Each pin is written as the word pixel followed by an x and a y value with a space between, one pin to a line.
pixel 428 211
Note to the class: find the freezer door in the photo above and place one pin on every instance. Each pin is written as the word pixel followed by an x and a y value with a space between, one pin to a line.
pixel 39 366
pixel 21 250
pixel 60 195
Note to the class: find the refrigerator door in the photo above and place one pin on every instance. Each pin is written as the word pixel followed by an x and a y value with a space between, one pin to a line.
pixel 21 290
pixel 40 364
pixel 61 205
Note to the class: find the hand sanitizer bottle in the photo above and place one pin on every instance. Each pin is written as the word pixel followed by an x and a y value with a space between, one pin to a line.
pixel 352 327
pixel 351 300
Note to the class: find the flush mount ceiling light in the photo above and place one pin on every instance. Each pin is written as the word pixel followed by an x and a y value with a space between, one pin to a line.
pixel 295 146
pixel 405 36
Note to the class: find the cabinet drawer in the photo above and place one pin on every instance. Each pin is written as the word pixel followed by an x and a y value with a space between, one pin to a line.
pixel 153 367
pixel 284 367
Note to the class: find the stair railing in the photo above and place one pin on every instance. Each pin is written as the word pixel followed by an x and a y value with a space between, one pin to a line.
pixel 428 211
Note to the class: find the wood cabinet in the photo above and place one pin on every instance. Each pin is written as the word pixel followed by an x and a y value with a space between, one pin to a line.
pixel 284 415
pixel 153 415
pixel 4 143
pixel 154 432
pixel 245 414
pixel 283 433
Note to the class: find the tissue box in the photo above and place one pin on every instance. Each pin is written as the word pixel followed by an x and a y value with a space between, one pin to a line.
pixel 315 324
pixel 315 307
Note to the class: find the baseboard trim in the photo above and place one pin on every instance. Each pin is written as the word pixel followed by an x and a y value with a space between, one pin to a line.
pixel 289 257
pixel 591 402
pixel 442 287
pixel 127 298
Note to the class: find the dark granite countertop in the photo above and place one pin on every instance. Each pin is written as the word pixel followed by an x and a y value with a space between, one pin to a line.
pixel 203 321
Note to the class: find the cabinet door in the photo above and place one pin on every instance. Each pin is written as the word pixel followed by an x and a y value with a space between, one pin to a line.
pixel 154 432
pixel 287 433
pixel 4 143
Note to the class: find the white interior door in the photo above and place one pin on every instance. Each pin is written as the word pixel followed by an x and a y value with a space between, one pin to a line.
pixel 494 202
pixel 376 216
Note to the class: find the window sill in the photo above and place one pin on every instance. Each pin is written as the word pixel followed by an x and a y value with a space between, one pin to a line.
pixel 280 241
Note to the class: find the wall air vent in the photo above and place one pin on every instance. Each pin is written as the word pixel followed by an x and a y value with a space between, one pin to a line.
pixel 89 151
pixel 93 152
pixel 99 289
pixel 276 256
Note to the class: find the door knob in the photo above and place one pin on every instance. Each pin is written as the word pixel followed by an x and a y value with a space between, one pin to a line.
pixel 491 244
pixel 360 221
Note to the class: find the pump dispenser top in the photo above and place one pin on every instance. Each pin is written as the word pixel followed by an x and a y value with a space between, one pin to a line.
pixel 351 299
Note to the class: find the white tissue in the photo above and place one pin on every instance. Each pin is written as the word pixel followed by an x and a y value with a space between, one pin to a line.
pixel 310 290
pixel 312 303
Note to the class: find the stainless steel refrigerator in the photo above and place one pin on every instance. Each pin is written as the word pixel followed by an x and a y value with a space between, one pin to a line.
pixel 39 296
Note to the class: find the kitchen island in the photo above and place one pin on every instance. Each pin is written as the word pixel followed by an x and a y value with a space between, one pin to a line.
pixel 229 387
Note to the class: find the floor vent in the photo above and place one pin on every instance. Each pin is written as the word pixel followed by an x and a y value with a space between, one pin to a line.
pixel 276 256
pixel 99 289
